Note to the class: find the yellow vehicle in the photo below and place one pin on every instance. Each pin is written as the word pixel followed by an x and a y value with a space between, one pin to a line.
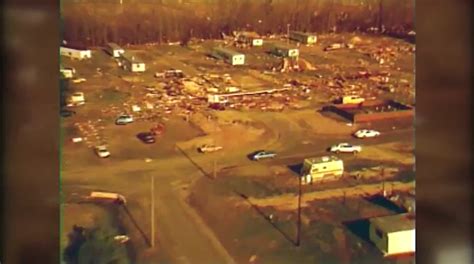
pixel 318 168
pixel 352 99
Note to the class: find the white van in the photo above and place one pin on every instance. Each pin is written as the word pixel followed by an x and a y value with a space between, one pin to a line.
pixel 319 168
pixel 352 99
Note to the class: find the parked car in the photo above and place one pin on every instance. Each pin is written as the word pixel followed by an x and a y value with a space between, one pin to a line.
pixel 345 148
pixel 146 137
pixel 124 119
pixel 209 148
pixel 76 99
pixel 67 113
pixel 366 133
pixel 263 154
pixel 102 151
pixel 79 80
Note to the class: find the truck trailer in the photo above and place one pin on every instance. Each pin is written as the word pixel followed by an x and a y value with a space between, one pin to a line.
pixel 319 168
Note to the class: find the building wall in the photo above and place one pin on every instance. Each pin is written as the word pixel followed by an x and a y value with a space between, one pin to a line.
pixel 237 59
pixel 117 53
pixel 67 73
pixel 401 242
pixel 138 67
pixel 379 238
pixel 360 118
pixel 257 42
pixel 321 170
pixel 75 54
pixel 312 40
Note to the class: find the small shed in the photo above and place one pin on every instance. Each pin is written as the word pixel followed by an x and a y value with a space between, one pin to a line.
pixel 305 38
pixel 132 63
pixel 394 234
pixel 250 38
pixel 114 50
pixel 229 56
pixel 285 51
pixel 75 51
pixel 67 72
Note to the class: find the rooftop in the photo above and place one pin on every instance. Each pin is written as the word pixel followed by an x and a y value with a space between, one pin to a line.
pixel 303 33
pixel 131 58
pixel 322 159
pixel 227 51
pixel 394 223
pixel 114 46
pixel 283 46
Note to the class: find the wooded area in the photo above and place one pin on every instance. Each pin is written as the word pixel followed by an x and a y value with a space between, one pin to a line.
pixel 156 21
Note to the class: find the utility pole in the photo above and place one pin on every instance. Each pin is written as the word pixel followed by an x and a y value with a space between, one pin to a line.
pixel 288 33
pixel 298 230
pixel 152 219
pixel 214 165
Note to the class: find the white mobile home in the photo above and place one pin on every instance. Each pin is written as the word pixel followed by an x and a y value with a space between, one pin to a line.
pixel 67 73
pixel 75 52
pixel 305 38
pixel 285 51
pixel 229 56
pixel 394 234
pixel 321 167
pixel 131 63
pixel 114 50
pixel 250 38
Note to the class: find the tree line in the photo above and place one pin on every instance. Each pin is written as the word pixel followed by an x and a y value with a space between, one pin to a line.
pixel 154 21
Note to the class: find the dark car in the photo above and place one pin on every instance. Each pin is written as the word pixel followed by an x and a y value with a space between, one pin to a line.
pixel 67 113
pixel 146 137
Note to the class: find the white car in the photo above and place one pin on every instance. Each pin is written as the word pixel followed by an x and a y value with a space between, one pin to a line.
pixel 345 148
pixel 102 151
pixel 208 148
pixel 79 80
pixel 124 119
pixel 366 133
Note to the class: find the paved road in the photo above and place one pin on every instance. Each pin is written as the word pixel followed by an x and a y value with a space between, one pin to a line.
pixel 318 147
pixel 181 231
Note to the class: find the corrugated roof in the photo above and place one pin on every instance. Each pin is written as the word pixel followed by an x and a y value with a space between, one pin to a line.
pixel 227 51
pixel 394 223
